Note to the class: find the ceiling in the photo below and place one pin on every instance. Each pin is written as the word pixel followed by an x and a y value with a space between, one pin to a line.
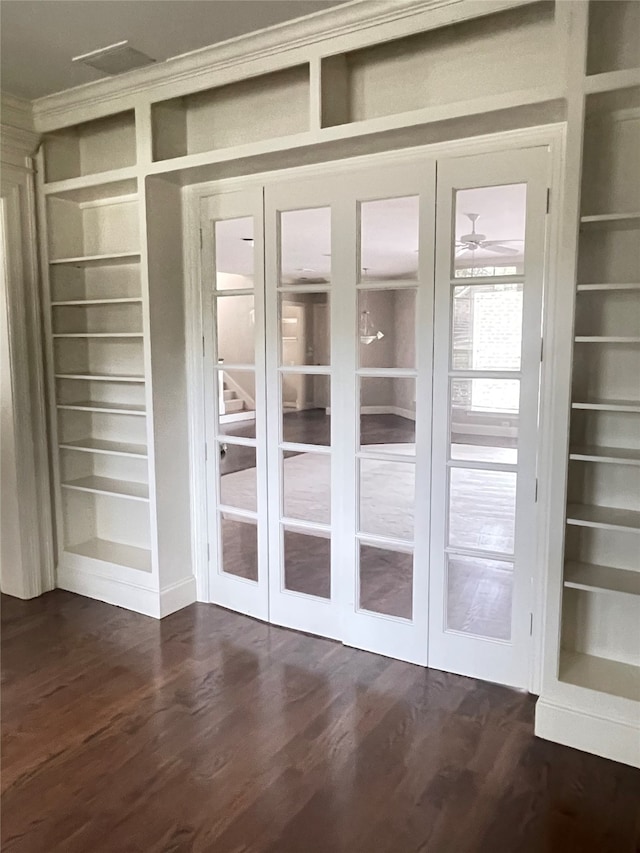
pixel 40 37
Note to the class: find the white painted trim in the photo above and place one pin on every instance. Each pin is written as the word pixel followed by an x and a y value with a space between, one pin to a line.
pixel 613 739
pixel 141 599
pixel 346 27
pixel 177 595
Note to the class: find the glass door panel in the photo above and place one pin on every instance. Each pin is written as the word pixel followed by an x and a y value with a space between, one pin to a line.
pixel 486 369
pixel 233 308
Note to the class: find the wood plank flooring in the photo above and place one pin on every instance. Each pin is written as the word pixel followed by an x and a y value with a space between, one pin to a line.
pixel 209 731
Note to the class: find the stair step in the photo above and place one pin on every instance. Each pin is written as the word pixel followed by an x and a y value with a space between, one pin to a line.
pixel 230 395
pixel 231 406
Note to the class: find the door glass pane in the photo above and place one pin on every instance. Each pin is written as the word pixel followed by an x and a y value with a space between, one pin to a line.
pixel 487 327
pixel 236 392
pixel 484 419
pixel 238 482
pixel 305 401
pixel 482 510
pixel 304 329
pixel 387 496
pixel 479 596
pixel 235 329
pixel 307 563
pixel 305 246
pixel 234 253
pixel 239 546
pixel 389 239
pixel 386 581
pixel 387 327
pixel 490 231
pixel 387 413
pixel 306 480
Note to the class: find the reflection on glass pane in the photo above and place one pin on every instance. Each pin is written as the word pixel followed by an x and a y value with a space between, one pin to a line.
pixel 306 485
pixel 490 231
pixel 487 327
pixel 238 485
pixel 234 253
pixel 387 413
pixel 239 546
pixel 304 329
pixel 482 509
pixel 236 391
pixel 387 497
pixel 307 563
pixel 236 329
pixel 305 246
pixel 479 596
pixel 387 327
pixel 386 581
pixel 389 239
pixel 484 419
pixel 305 401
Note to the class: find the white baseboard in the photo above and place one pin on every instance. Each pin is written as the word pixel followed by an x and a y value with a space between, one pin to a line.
pixel 613 739
pixel 177 596
pixel 237 416
pixel 386 410
pixel 121 593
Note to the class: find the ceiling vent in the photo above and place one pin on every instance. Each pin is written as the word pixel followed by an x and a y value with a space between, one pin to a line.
pixel 115 58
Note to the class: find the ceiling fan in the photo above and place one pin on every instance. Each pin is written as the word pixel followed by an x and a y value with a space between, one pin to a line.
pixel 470 243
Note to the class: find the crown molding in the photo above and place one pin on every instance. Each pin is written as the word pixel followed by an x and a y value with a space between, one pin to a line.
pixel 16 112
pixel 359 23
pixel 18 139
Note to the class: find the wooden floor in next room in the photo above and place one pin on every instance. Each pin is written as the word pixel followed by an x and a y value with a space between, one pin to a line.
pixel 209 731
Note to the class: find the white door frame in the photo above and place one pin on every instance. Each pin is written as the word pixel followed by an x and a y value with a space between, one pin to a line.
pixel 553 398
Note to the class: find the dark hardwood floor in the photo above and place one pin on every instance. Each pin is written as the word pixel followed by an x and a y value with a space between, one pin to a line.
pixel 209 731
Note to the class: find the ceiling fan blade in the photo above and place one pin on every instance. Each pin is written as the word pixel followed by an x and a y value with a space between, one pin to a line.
pixel 500 242
pixel 463 250
pixel 501 250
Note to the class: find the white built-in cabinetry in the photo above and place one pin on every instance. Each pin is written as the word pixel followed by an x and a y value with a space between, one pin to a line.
pixel 592 695
pixel 365 78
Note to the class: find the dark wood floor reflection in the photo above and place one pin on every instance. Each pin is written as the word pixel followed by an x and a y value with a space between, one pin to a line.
pixel 212 732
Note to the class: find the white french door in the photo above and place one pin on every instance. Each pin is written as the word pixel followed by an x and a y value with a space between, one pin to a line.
pixel 372 406
pixel 349 267
pixel 487 348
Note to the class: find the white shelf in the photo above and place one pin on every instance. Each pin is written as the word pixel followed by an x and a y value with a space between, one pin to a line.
pixel 97 260
pixel 95 377
pixel 98 335
pixel 107 486
pixel 622 286
pixel 606 339
pixel 604 579
pixel 601 674
pixel 611 455
pixel 604 220
pixel 111 408
pixel 96 186
pixel 113 552
pixel 608 405
pixel 113 448
pixel 605 518
pixel 117 300
pixel 609 81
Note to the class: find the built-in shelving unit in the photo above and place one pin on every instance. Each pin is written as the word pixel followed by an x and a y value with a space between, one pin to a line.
pixel 96 329
pixel 600 612
pixel 269 106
